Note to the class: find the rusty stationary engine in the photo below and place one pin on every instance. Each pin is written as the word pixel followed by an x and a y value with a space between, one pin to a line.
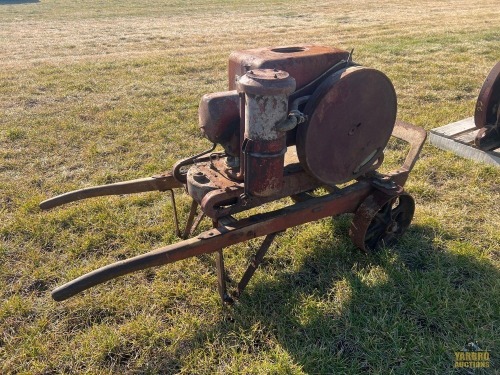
pixel 294 119
pixel 337 114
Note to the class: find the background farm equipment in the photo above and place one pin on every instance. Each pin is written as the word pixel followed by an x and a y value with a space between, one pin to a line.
pixel 487 113
pixel 296 121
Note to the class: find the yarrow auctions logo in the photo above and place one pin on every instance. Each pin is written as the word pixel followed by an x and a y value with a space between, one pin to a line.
pixel 472 356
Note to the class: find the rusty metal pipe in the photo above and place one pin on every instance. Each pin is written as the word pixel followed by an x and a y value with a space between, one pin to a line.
pixel 298 102
pixel 164 255
pixel 161 182
pixel 346 200
pixel 415 136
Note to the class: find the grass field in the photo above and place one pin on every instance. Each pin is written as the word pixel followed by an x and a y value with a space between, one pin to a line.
pixel 95 92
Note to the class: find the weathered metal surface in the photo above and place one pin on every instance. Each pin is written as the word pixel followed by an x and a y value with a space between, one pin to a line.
pixel 351 117
pixel 346 200
pixel 488 138
pixel 210 184
pixel 303 62
pixel 209 176
pixel 161 182
pixel 488 101
pixel 219 119
pixel 314 208
pixel 263 166
pixel 348 117
pixel 487 114
pixel 180 169
pixel 174 210
pixel 219 203
pixel 190 223
pixel 308 64
pixel 255 262
pixel 266 106
pixel 415 137
pixel 266 82
pixel 381 219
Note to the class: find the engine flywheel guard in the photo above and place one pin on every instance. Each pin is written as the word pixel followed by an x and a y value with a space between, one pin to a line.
pixel 351 118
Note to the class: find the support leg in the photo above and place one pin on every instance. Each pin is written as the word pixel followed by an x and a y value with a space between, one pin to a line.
pixel 259 255
pixel 221 273
pixel 174 208
pixel 189 223
pixel 196 222
pixel 221 277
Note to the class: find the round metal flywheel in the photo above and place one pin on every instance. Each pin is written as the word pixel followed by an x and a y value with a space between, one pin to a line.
pixel 350 120
pixel 488 102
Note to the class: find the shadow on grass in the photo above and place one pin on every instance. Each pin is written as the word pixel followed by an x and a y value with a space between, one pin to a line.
pixel 403 310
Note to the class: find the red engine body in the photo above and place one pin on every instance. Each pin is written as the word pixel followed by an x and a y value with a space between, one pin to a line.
pixel 219 113
pixel 346 113
pixel 304 63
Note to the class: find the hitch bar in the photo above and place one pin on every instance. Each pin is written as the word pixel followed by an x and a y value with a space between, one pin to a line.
pixel 343 201
pixel 161 182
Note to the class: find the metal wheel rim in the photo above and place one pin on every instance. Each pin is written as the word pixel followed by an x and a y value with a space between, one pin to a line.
pixel 381 220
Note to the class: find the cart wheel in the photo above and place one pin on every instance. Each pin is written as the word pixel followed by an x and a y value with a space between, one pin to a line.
pixel 381 219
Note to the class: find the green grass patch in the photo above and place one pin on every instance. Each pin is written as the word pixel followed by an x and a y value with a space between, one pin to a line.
pixel 99 92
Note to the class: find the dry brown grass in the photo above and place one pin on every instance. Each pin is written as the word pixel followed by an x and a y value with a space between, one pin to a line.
pixel 83 31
